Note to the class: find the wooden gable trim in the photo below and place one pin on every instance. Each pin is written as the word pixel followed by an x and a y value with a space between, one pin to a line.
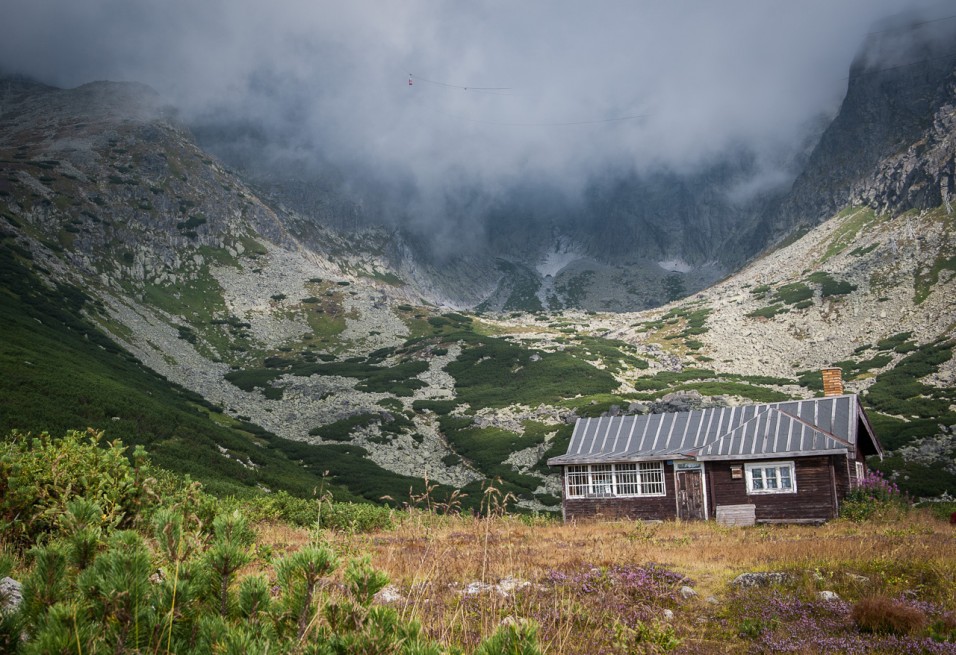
pixel 864 420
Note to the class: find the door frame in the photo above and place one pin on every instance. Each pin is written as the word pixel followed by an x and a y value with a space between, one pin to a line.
pixel 691 467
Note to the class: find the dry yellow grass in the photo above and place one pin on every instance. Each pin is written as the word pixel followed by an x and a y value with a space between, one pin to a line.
pixel 430 559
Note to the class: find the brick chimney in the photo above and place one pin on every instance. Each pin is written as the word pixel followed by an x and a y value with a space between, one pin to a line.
pixel 833 381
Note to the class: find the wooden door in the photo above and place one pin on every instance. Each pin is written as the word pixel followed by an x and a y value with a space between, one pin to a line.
pixel 690 496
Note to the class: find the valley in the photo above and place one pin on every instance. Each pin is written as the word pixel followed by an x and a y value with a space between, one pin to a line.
pixel 265 349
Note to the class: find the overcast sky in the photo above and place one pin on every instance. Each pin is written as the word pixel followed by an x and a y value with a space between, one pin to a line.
pixel 555 89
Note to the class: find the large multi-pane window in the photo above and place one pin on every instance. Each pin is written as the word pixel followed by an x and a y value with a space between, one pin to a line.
pixel 771 478
pixel 610 480
pixel 577 481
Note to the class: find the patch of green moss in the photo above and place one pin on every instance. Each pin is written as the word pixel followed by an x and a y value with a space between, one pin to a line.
pixel 857 220
pixel 925 281
pixel 830 286
pixel 768 312
pixel 793 293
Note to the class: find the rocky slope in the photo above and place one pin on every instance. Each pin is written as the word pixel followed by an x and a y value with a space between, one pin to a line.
pixel 340 339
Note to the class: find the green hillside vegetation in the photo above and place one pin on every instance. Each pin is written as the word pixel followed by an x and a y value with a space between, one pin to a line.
pixel 798 295
pixel 858 220
pixel 59 372
pixel 901 407
pixel 494 372
pixel 710 383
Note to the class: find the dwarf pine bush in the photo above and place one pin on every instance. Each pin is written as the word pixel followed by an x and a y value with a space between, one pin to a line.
pixel 40 475
pixel 112 566
pixel 229 552
pixel 133 598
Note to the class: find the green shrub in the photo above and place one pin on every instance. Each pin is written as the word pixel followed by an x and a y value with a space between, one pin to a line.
pixel 873 495
pixel 40 476
pixel 342 429
pixel 440 407
pixel 517 638
pixel 253 378
pixel 398 380
pixel 356 517
pixel 199 602
pixel 794 293
pixel 941 510
pixel 768 312
pixel 493 372
pixel 829 286
pixel 892 342
pixel 899 391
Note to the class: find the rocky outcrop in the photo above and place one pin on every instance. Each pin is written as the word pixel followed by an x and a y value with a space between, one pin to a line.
pixel 891 145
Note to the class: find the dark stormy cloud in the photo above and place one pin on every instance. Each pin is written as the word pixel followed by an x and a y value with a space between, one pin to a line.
pixel 557 91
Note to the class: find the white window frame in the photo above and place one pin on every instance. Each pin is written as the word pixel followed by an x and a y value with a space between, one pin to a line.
pixel 622 480
pixel 860 470
pixel 771 484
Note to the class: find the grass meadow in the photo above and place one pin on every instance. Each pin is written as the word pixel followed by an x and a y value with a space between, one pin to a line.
pixel 615 587
pixel 118 555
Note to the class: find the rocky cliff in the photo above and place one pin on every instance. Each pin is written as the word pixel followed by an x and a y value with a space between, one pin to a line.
pixel 891 146
pixel 342 339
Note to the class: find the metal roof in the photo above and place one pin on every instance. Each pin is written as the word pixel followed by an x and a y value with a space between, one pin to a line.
pixel 819 426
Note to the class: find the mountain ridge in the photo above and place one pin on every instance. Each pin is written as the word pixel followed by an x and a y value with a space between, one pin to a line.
pixel 319 338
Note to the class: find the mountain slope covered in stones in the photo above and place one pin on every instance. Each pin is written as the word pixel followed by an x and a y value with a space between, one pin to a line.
pixel 287 354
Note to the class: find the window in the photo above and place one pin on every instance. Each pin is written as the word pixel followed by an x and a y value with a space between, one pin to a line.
pixel 602 480
pixel 577 480
pixel 860 473
pixel 771 478
pixel 615 480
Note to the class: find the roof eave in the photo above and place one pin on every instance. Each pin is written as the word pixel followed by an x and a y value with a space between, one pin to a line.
pixel 612 459
pixel 789 453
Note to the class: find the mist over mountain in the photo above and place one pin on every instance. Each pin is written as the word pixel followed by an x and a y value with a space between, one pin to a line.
pixel 889 122
pixel 642 142
pixel 300 300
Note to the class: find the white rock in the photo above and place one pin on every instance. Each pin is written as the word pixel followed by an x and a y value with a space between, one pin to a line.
pixel 11 594
pixel 389 594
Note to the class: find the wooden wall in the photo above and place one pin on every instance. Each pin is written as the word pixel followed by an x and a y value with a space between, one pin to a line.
pixel 814 499
pixel 648 508
pixel 820 480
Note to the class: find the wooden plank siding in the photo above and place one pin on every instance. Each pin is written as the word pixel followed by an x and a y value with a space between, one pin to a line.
pixel 814 500
pixel 644 508
pixel 822 482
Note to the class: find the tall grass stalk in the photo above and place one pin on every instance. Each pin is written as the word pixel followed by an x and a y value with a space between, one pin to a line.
pixel 172 606
pixel 76 631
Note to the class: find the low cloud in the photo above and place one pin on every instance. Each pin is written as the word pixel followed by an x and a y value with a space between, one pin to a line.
pixel 502 93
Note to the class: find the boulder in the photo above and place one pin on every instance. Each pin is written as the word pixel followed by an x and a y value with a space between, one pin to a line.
pixel 760 579
pixel 389 594
pixel 11 595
